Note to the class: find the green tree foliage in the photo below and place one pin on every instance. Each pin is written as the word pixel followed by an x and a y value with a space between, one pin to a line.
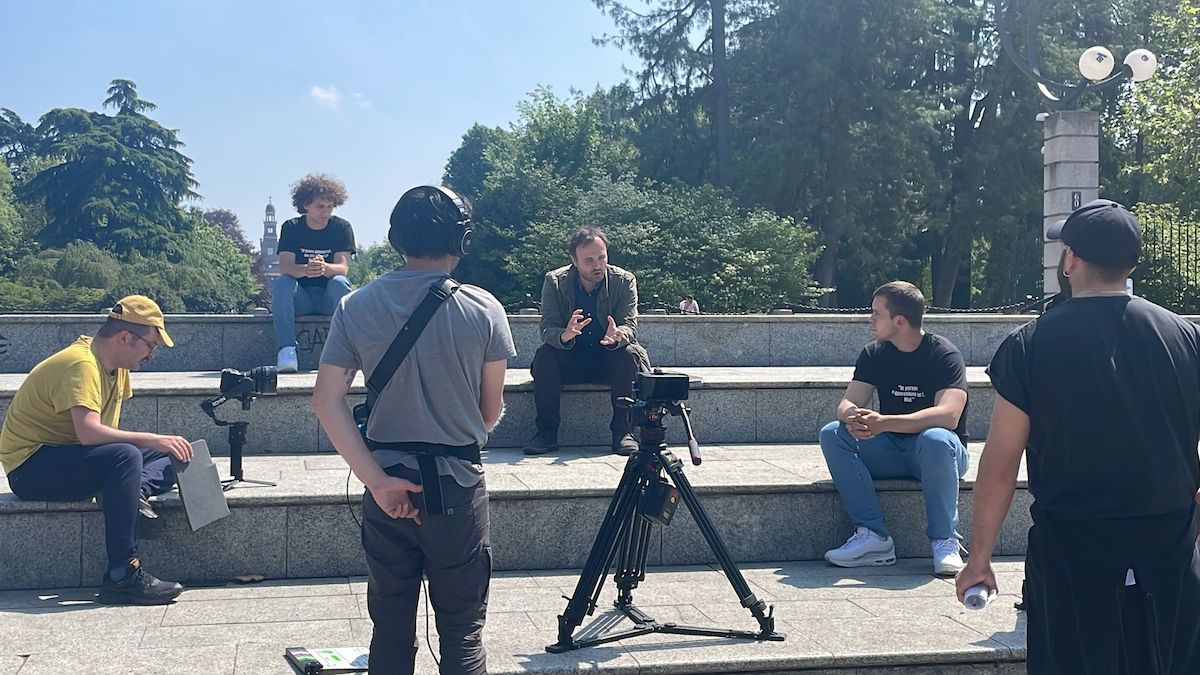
pixel 530 172
pixel 898 129
pixel 569 163
pixel 10 221
pixel 1156 138
pixel 119 179
pixel 1170 271
pixel 683 45
pixel 98 215
pixel 373 260
pixel 211 276
pixel 680 239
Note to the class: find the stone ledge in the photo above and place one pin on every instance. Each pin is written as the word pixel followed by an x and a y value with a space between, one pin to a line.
pixel 212 342
pixel 757 469
pixel 769 502
pixel 206 383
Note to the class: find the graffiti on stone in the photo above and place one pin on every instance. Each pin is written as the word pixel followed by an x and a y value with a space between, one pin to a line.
pixel 311 339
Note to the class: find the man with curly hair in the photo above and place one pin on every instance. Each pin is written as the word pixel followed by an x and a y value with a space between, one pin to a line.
pixel 314 257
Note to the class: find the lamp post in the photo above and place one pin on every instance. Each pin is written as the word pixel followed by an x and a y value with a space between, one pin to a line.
pixel 1071 150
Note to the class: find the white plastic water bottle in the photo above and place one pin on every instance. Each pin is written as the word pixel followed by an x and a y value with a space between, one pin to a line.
pixel 977 597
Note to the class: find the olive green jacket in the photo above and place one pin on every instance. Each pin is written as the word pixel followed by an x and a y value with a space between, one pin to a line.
pixel 618 298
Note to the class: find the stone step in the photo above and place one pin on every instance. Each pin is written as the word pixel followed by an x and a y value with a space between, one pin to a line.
pixel 729 405
pixel 213 342
pixel 769 502
pixel 868 621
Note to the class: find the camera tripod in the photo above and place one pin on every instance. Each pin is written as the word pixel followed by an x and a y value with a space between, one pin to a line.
pixel 643 497
pixel 237 443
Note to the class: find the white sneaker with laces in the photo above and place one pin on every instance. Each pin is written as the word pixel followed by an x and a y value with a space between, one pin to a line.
pixel 286 361
pixel 864 548
pixel 947 557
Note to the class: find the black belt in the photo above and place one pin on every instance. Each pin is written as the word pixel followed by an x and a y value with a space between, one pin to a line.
pixel 427 454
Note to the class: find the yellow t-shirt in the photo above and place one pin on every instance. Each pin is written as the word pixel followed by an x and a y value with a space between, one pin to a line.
pixel 40 413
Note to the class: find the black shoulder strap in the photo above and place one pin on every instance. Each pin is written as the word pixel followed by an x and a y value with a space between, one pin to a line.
pixel 439 292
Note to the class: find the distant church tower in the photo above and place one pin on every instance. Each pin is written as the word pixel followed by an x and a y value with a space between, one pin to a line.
pixel 270 242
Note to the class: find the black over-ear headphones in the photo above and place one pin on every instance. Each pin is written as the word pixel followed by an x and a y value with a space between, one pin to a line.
pixel 459 233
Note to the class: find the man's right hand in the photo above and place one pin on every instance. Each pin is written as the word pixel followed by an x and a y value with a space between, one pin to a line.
pixel 977 572
pixel 177 446
pixel 575 326
pixel 391 495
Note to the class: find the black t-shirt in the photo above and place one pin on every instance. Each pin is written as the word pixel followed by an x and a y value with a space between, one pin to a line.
pixel 1112 389
pixel 296 236
pixel 908 381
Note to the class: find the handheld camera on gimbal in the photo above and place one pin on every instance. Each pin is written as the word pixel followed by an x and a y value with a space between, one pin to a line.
pixel 244 387
pixel 260 381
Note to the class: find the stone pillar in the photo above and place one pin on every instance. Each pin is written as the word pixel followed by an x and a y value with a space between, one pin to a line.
pixel 1071 177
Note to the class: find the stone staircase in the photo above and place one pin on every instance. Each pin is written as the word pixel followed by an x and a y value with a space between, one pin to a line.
pixel 762 388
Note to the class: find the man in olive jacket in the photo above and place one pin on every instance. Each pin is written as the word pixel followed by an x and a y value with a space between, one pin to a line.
pixel 589 331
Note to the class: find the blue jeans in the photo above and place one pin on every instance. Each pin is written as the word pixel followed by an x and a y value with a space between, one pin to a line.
pixel 936 457
pixel 289 300
pixel 118 472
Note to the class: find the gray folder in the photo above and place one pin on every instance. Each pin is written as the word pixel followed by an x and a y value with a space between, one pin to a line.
pixel 200 487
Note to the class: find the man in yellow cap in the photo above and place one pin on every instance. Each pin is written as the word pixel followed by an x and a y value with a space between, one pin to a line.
pixel 61 441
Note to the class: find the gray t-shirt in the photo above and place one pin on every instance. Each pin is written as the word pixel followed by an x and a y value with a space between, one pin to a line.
pixel 434 395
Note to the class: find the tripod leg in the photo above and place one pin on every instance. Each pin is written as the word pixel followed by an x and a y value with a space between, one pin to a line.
pixel 757 607
pixel 622 509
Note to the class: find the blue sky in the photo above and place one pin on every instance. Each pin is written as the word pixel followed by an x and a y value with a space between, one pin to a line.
pixel 375 92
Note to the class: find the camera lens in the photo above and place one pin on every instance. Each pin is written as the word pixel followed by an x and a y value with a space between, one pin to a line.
pixel 266 380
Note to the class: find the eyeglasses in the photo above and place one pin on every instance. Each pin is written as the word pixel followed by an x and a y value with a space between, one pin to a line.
pixel 152 345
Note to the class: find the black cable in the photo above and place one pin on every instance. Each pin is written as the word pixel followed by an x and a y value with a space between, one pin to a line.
pixel 428 643
pixel 424 589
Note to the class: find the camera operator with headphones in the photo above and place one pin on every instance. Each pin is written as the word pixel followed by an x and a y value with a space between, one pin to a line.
pixel 425 509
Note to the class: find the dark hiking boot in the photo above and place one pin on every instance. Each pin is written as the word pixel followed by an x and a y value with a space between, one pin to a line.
pixel 542 442
pixel 139 587
pixel 624 445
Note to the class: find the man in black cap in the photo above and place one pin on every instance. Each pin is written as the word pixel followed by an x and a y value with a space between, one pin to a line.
pixel 1105 393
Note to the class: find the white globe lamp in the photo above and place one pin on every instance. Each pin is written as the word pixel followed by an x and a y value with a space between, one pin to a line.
pixel 1096 63
pixel 1143 63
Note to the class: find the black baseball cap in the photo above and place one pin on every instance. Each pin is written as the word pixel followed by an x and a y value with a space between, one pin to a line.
pixel 1101 232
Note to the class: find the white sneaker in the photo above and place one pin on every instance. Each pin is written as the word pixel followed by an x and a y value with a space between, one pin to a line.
pixel 864 548
pixel 286 361
pixel 947 557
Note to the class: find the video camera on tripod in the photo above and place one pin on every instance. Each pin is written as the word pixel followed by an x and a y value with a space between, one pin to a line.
pixel 660 393
pixel 643 498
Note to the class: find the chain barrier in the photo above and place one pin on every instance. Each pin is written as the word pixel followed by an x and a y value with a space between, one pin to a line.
pixel 656 305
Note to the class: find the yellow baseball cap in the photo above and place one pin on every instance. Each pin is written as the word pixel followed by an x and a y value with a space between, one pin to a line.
pixel 143 311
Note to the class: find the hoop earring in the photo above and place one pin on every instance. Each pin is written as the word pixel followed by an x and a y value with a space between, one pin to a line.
pixel 1065 273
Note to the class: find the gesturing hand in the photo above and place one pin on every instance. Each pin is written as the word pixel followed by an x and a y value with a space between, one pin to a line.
pixel 575 326
pixel 392 496
pixel 612 336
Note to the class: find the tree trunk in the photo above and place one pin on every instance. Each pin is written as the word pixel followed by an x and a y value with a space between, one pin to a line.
pixel 720 84
pixel 825 272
